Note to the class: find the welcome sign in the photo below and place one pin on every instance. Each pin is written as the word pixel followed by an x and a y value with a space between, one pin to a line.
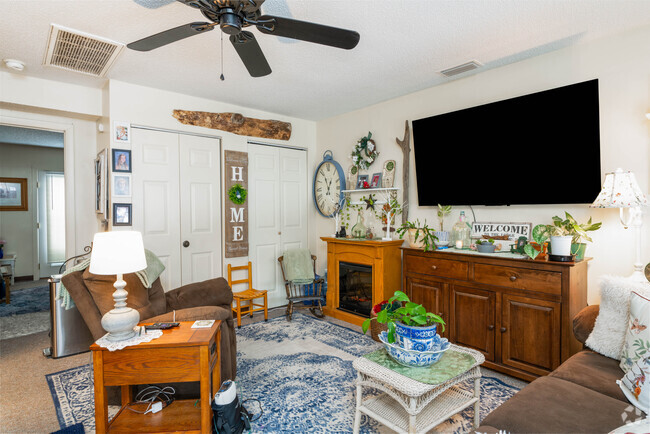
pixel 236 209
pixel 503 231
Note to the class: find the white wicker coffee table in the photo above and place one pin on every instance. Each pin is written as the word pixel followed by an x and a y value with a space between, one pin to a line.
pixel 421 406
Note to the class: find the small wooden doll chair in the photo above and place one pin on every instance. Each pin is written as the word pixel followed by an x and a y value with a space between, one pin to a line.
pixel 249 295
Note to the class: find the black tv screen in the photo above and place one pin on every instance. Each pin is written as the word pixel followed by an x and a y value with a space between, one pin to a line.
pixel 542 148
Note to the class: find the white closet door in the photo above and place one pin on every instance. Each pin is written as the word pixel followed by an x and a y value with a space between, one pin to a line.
pixel 156 208
pixel 277 213
pixel 200 208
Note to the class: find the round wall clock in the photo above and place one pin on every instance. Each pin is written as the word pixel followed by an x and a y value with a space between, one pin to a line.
pixel 328 181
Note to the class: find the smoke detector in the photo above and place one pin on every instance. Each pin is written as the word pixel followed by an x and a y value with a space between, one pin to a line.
pixel 77 51
pixel 459 69
pixel 14 64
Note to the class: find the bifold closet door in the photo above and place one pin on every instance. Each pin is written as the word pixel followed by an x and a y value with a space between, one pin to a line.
pixel 277 213
pixel 200 208
pixel 176 181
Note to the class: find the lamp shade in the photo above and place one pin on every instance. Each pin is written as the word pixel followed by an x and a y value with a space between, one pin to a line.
pixel 620 190
pixel 117 252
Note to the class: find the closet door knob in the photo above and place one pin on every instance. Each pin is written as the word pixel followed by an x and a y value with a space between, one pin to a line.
pixel 186 243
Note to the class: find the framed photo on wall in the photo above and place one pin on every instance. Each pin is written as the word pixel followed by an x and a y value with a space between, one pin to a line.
pixel 376 180
pixel 122 214
pixel 121 185
pixel 360 180
pixel 13 194
pixel 121 160
pixel 121 132
pixel 101 184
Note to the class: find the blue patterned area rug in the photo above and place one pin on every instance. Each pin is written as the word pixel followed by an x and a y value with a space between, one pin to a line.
pixel 27 301
pixel 300 371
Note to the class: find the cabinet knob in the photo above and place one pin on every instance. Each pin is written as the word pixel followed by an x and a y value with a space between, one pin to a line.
pixel 513 278
pixel 503 329
pixel 435 267
pixel 491 327
pixel 186 243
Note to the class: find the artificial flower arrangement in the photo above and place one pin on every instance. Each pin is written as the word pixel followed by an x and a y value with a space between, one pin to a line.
pixel 364 152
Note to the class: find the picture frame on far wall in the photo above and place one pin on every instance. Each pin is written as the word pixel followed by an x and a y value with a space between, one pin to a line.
pixel 121 160
pixel 121 185
pixel 122 214
pixel 101 184
pixel 360 180
pixel 13 194
pixel 121 132
pixel 376 180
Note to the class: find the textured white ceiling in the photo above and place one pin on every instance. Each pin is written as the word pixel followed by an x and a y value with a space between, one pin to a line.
pixel 403 45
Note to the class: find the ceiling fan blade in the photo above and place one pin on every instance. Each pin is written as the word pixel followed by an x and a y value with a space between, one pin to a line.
pixel 306 31
pixel 169 36
pixel 251 54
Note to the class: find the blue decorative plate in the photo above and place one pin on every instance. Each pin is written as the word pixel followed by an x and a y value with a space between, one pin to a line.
pixel 414 358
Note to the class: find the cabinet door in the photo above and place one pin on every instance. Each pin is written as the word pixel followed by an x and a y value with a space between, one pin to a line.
pixel 473 319
pixel 431 294
pixel 530 334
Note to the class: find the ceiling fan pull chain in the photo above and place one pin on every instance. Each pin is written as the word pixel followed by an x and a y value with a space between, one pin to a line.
pixel 222 77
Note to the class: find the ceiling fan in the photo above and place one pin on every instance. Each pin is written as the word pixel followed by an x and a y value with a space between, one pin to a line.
pixel 232 16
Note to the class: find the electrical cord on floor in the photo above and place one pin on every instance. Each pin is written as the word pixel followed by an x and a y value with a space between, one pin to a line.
pixel 151 394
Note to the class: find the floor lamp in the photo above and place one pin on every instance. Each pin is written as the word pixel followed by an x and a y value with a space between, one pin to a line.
pixel 620 190
pixel 118 253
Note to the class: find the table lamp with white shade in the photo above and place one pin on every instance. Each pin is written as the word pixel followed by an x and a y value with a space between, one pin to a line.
pixel 620 190
pixel 118 253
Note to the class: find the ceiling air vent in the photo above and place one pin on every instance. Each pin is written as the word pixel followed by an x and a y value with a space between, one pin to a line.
pixel 76 51
pixel 459 69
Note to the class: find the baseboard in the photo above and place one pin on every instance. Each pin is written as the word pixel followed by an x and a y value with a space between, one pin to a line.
pixel 23 278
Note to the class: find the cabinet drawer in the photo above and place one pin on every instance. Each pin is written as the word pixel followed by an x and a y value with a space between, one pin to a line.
pixel 548 282
pixel 437 267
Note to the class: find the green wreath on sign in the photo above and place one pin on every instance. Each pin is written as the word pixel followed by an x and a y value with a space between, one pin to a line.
pixel 237 194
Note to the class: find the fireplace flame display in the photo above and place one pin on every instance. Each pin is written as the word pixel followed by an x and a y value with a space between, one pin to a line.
pixel 355 288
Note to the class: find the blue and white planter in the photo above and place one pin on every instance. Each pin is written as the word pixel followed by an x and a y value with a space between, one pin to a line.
pixel 416 338
pixel 414 358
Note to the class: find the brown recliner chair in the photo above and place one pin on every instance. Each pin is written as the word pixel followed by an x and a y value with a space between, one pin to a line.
pixel 211 299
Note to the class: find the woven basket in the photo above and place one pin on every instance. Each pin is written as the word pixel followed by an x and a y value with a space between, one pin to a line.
pixel 376 328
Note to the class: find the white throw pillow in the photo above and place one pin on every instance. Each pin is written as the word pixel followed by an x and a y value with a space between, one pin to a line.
pixel 637 336
pixel 608 335
pixel 636 384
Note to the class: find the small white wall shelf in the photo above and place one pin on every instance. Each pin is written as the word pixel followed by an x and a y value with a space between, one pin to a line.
pixel 348 194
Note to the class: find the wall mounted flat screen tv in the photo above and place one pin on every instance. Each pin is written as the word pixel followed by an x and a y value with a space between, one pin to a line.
pixel 542 148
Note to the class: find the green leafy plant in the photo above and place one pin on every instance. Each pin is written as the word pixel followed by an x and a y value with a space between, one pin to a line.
pixel 540 236
pixel 443 211
pixel 422 232
pixel 490 241
pixel 237 194
pixel 569 226
pixel 411 314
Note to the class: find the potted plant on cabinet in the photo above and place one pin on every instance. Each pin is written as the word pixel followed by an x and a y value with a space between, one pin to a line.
pixel 536 247
pixel 420 235
pixel 411 321
pixel 442 234
pixel 578 233
pixel 485 246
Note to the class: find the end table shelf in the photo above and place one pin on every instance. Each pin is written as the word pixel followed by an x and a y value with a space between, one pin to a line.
pixel 181 415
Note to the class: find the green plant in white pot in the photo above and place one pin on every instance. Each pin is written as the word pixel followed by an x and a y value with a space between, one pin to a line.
pixel 560 239
pixel 578 233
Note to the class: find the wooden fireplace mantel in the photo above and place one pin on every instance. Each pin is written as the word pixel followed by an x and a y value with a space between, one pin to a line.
pixel 385 258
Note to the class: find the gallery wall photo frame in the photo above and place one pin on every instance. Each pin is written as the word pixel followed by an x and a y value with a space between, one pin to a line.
pixel 360 181
pixel 121 185
pixel 121 160
pixel 375 180
pixel 13 194
pixel 122 213
pixel 101 184
pixel 121 132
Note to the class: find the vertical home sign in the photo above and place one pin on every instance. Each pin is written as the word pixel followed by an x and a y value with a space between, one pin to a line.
pixel 236 209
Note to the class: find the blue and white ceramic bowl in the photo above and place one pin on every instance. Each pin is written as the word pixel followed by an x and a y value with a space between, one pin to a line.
pixel 416 338
pixel 414 358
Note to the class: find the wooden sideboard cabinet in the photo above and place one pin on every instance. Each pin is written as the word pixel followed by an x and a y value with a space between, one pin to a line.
pixel 517 312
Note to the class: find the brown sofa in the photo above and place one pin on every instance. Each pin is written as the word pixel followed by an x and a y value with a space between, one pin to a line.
pixel 580 396
pixel 202 300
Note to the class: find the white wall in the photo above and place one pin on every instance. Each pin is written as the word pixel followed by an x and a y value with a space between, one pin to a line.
pixel 17 227
pixel 153 108
pixel 622 65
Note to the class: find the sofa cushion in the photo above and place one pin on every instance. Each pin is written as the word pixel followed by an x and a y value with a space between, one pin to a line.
pixel 636 385
pixel 583 322
pixel 550 404
pixel 637 335
pixel 193 314
pixel 101 290
pixel 608 335
pixel 593 371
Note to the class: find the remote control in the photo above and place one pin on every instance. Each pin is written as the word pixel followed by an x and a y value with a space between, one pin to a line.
pixel 161 326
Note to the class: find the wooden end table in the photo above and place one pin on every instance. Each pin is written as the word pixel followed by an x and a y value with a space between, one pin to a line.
pixel 181 354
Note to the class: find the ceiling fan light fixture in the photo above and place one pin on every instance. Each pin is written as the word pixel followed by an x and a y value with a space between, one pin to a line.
pixel 230 23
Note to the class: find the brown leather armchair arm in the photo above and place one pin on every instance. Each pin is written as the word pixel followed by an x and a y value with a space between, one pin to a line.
pixel 213 292
pixel 583 322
